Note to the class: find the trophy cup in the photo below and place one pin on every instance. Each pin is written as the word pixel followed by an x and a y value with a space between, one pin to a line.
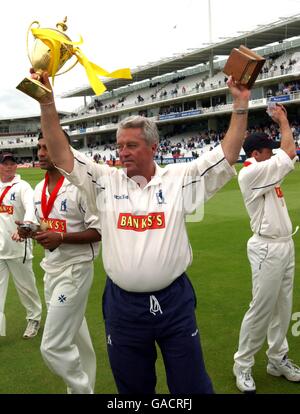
pixel 51 50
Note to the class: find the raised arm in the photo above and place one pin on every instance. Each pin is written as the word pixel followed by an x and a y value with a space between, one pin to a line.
pixel 234 138
pixel 279 115
pixel 57 143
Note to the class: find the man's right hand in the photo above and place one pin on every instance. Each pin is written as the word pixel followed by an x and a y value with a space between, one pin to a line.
pixel 240 93
pixel 25 232
pixel 44 79
pixel 279 114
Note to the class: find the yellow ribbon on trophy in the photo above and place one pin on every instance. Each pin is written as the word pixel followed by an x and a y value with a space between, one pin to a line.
pixel 53 40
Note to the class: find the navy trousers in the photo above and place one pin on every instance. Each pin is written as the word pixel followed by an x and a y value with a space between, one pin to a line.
pixel 135 322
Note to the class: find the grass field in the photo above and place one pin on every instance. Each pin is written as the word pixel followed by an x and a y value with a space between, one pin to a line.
pixel 221 277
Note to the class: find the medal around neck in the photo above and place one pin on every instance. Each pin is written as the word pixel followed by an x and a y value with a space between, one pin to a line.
pixel 44 226
pixel 52 48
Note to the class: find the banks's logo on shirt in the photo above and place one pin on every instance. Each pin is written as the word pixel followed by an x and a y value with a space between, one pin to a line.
pixel 13 197
pixel 6 209
pixel 59 226
pixel 151 221
pixel 160 197
pixel 63 205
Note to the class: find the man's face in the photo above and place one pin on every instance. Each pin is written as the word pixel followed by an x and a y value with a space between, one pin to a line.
pixel 42 153
pixel 262 154
pixel 8 170
pixel 135 154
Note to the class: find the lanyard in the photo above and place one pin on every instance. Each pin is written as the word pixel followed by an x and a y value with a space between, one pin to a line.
pixel 6 190
pixel 47 206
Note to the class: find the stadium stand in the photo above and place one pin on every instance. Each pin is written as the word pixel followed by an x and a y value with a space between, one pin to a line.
pixel 187 96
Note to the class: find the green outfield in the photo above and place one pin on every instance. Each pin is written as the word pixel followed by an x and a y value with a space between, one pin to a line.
pixel 221 276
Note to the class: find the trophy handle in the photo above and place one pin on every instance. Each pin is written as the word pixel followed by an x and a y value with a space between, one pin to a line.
pixel 30 26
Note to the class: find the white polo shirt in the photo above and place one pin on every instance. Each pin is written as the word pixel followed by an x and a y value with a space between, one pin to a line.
pixel 145 246
pixel 263 197
pixel 68 215
pixel 16 205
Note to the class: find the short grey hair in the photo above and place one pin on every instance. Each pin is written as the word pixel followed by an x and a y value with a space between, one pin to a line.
pixel 149 128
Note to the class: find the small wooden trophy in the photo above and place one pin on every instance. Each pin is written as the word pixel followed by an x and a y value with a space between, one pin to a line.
pixel 244 65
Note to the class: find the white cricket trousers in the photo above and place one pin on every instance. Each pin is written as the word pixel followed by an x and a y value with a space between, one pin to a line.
pixel 66 344
pixel 269 314
pixel 25 284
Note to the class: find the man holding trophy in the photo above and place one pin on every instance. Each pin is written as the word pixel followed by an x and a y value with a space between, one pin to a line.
pixel 142 265
pixel 67 230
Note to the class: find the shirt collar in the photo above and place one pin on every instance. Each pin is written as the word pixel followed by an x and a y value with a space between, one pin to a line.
pixel 15 180
pixel 155 180
pixel 62 189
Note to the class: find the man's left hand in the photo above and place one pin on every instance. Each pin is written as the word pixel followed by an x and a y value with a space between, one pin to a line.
pixel 48 239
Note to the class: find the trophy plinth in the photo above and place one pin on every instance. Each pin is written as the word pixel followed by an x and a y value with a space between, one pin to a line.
pixel 33 88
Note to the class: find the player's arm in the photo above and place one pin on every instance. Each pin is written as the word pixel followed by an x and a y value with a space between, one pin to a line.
pixel 25 230
pixel 261 177
pixel 82 237
pixel 234 137
pixel 51 240
pixel 287 144
pixel 57 143
pixel 75 166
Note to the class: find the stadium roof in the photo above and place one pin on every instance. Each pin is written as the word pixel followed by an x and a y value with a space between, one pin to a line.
pixel 28 117
pixel 284 28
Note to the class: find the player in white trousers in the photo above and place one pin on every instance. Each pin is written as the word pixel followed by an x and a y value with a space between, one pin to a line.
pixel 70 236
pixel 270 253
pixel 16 203
pixel 66 346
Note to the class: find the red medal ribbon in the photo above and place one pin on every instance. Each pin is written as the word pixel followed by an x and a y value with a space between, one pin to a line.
pixel 6 190
pixel 47 206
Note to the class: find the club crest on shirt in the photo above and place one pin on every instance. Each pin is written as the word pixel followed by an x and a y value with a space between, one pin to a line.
pixel 13 197
pixel 160 197
pixel 63 205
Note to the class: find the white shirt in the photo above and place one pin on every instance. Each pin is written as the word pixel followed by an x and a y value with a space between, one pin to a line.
pixel 145 246
pixel 69 214
pixel 263 197
pixel 16 205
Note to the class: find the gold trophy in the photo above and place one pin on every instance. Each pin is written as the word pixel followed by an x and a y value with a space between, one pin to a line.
pixel 51 50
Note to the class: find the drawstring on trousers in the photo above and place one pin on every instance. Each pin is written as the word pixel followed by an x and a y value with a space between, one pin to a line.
pixel 154 305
